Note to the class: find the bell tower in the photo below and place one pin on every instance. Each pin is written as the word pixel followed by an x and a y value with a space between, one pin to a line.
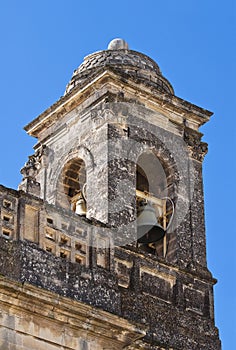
pixel 109 216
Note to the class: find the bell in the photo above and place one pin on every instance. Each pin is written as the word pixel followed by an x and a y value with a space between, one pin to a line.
pixel 148 229
pixel 80 207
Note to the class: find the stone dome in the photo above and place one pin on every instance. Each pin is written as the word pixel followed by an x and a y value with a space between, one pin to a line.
pixel 127 63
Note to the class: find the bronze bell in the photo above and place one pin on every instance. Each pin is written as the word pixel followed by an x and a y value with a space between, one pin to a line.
pixel 80 206
pixel 148 228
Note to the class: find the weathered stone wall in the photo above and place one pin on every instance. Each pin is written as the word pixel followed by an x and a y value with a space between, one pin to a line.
pixel 109 138
pixel 174 305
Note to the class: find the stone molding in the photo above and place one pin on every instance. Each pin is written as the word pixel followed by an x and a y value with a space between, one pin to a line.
pixel 105 79
pixel 80 319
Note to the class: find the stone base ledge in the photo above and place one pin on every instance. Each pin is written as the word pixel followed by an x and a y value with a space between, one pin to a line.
pixel 33 318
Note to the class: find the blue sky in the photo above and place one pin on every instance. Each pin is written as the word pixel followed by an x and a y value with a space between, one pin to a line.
pixel 193 42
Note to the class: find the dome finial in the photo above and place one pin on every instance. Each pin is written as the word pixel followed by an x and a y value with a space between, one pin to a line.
pixel 118 44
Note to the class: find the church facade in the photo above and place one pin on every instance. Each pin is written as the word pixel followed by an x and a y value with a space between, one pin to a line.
pixel 103 244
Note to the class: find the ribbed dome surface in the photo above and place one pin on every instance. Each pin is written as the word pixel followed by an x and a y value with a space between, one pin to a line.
pixel 127 63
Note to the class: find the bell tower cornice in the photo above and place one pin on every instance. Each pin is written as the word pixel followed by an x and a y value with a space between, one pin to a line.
pixel 108 81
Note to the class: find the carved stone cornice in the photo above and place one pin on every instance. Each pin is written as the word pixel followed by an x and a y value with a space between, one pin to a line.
pixel 58 313
pixel 105 81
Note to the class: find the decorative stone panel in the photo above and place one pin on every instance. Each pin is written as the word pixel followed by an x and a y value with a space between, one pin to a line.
pixel 157 284
pixel 194 299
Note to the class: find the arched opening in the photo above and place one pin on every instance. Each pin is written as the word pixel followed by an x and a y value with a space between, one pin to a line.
pixel 154 208
pixel 74 184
